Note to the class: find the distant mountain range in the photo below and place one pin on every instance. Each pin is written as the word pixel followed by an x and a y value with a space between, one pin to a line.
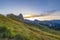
pixel 53 24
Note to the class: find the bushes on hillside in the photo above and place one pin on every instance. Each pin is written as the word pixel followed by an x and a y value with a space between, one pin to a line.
pixel 9 34
pixel 5 33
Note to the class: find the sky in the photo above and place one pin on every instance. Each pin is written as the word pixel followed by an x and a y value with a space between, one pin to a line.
pixel 28 6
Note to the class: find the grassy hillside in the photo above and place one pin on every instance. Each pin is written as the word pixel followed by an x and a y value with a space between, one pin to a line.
pixel 14 30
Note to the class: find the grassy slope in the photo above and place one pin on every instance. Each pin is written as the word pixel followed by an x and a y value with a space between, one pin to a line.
pixel 23 31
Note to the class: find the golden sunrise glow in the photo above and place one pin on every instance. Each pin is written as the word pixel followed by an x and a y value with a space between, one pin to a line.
pixel 44 17
pixel 29 15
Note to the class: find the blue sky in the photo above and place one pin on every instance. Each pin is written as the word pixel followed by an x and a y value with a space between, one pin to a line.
pixel 28 6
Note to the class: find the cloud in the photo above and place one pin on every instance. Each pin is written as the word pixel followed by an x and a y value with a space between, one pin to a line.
pixel 41 15
pixel 53 15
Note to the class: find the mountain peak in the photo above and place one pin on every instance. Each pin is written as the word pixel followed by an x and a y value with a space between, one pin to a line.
pixel 20 16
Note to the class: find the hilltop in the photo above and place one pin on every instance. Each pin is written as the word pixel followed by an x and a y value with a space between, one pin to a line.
pixel 11 29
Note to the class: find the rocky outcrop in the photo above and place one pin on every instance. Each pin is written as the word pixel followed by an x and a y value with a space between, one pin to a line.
pixel 19 17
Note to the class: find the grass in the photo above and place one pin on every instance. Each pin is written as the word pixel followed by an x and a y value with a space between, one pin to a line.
pixel 15 30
